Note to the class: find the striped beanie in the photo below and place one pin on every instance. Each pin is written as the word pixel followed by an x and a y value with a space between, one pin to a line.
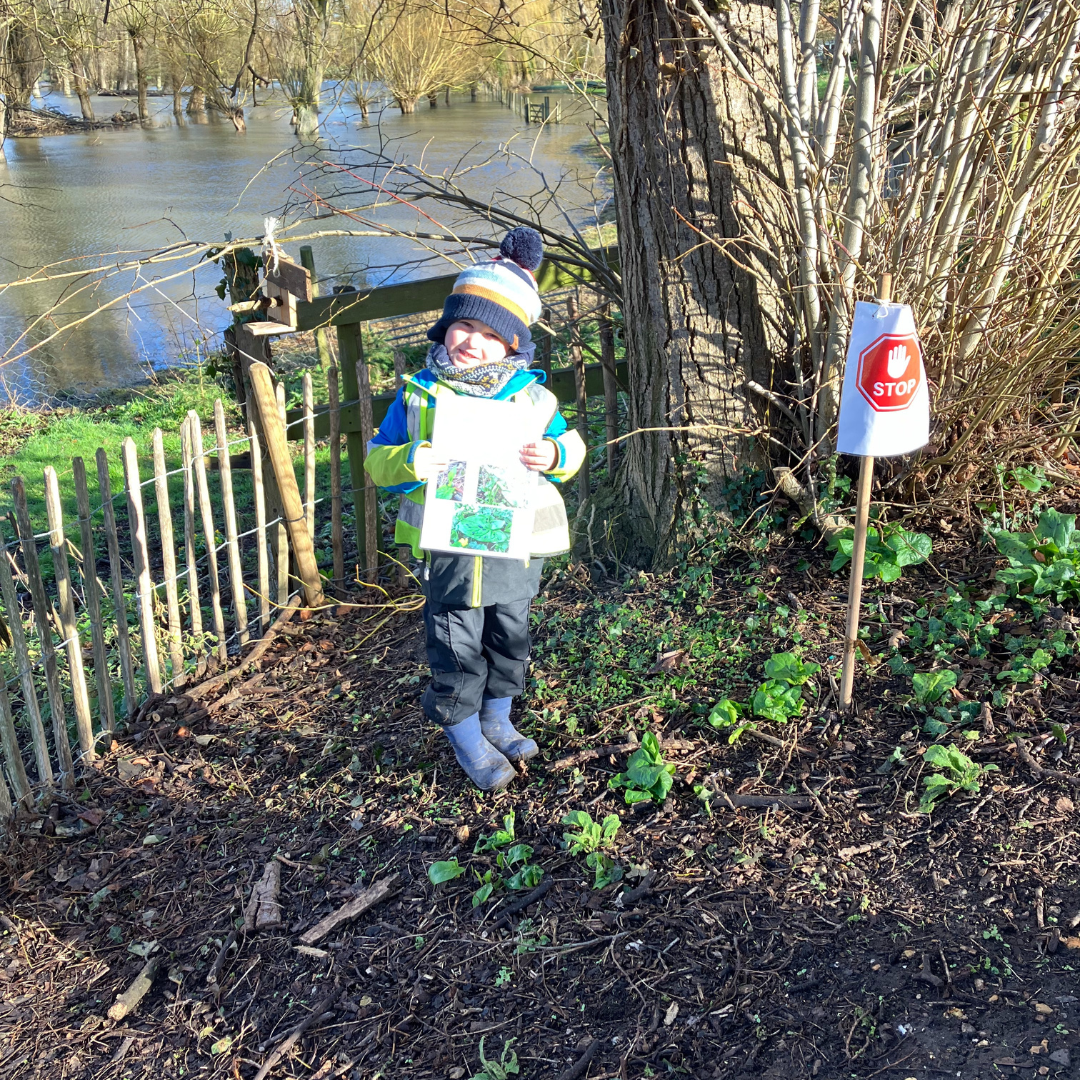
pixel 501 292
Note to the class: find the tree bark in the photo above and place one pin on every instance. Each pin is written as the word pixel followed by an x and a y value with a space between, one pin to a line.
pixel 313 25
pixel 695 166
pixel 82 87
pixel 196 102
pixel 138 47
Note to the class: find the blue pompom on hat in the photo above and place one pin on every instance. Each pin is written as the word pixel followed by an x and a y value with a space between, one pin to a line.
pixel 501 292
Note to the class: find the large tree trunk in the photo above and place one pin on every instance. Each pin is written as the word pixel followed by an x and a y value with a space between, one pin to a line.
pixel 692 157
pixel 82 89
pixel 138 46
pixel 313 24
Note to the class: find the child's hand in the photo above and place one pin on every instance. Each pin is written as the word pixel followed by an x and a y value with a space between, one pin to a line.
pixel 539 456
pixel 424 463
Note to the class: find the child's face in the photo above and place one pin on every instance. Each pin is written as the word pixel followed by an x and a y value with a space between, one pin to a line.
pixel 471 343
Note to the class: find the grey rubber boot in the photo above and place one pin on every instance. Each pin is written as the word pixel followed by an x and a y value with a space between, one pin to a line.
pixel 487 768
pixel 497 729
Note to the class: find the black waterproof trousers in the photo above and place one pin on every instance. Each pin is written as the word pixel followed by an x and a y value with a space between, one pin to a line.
pixel 476 651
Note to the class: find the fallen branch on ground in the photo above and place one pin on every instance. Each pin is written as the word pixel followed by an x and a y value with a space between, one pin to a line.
pixel 582 1062
pixel 256 654
pixel 1041 770
pixel 376 894
pixel 263 911
pixel 296 1034
pixel 128 1001
pixel 527 900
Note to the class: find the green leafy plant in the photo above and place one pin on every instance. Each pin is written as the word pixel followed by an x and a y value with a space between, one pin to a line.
pixel 448 870
pixel 787 667
pixel 889 549
pixel 1044 561
pixel 451 482
pixel 777 701
pixel 506 1066
pixel 591 838
pixel 931 686
pixel 500 838
pixel 512 859
pixel 647 775
pixel 955 772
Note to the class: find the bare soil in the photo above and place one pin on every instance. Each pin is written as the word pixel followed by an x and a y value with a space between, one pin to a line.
pixel 855 937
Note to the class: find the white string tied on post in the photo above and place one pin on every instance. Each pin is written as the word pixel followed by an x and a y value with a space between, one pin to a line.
pixel 271 253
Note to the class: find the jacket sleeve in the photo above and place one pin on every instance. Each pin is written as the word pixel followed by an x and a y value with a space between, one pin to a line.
pixel 390 454
pixel 571 450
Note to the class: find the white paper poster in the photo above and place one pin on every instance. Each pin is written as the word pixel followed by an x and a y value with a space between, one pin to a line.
pixel 885 404
pixel 480 499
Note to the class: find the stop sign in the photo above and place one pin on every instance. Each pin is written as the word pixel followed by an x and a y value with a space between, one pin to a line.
pixel 890 371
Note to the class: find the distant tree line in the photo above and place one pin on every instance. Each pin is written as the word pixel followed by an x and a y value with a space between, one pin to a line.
pixel 224 54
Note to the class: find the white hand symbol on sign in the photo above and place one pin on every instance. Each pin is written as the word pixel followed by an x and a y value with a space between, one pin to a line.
pixel 898 361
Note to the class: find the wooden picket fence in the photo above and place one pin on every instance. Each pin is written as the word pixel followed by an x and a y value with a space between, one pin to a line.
pixel 200 588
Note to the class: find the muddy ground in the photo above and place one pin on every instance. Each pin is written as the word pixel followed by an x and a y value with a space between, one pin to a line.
pixel 848 935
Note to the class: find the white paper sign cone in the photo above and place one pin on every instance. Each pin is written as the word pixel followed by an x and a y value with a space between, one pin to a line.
pixel 885 404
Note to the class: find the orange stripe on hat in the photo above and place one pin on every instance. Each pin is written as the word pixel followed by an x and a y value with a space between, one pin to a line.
pixel 468 289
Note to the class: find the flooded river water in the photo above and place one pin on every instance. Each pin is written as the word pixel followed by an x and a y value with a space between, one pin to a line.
pixel 104 195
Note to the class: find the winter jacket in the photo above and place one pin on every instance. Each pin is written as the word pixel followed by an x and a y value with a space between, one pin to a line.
pixel 408 425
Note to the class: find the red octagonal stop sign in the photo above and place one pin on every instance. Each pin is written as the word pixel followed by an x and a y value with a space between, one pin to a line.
pixel 890 371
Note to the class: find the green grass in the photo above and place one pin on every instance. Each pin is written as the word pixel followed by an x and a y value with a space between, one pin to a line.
pixel 55 438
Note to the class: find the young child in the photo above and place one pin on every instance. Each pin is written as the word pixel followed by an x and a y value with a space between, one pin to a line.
pixel 477 609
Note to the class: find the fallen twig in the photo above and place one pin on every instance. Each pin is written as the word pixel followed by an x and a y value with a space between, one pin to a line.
pixel 256 654
pixel 618 748
pixel 632 896
pixel 582 1062
pixel 128 1001
pixel 1041 770
pixel 528 899
pixel 764 802
pixel 297 1033
pixel 376 894
pixel 264 908
pixel 219 961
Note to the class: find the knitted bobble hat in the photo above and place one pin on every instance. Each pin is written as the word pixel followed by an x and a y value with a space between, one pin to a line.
pixel 501 292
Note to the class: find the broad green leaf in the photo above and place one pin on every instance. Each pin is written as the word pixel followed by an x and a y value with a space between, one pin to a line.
pixel 911 548
pixel 447 870
pixel 483 893
pixel 633 796
pixel 517 853
pixel 1016 548
pixel 1061 528
pixel 651 745
pixel 789 668
pixel 890 571
pixel 528 877
pixel 932 686
pixel 725 713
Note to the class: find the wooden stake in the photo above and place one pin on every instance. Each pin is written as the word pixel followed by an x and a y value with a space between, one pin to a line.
pixel 260 529
pixel 281 550
pixel 335 473
pixel 84 724
pixel 116 577
pixel 236 572
pixel 91 590
pixel 858 554
pixel 309 453
pixel 355 387
pixel 42 616
pixel 16 771
pixel 404 553
pixel 206 512
pixel 145 594
pixel 281 461
pixel 168 555
pixel 322 345
pixel 188 459
pixel 546 342
pixel 26 675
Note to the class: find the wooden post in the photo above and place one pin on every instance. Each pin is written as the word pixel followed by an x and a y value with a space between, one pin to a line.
pixel 404 553
pixel 611 388
pixel 188 460
pixel 309 453
pixel 355 386
pixel 106 709
pixel 42 615
pixel 322 345
pixel 335 475
pixel 26 674
pixel 145 586
pixel 281 461
pixel 858 554
pixel 584 486
pixel 260 529
pixel 84 723
pixel 168 555
pixel 116 577
pixel 206 512
pixel 16 772
pixel 281 553
pixel 546 342
pixel 236 572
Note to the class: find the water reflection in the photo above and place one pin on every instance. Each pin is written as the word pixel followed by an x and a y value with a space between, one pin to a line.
pixel 142 188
